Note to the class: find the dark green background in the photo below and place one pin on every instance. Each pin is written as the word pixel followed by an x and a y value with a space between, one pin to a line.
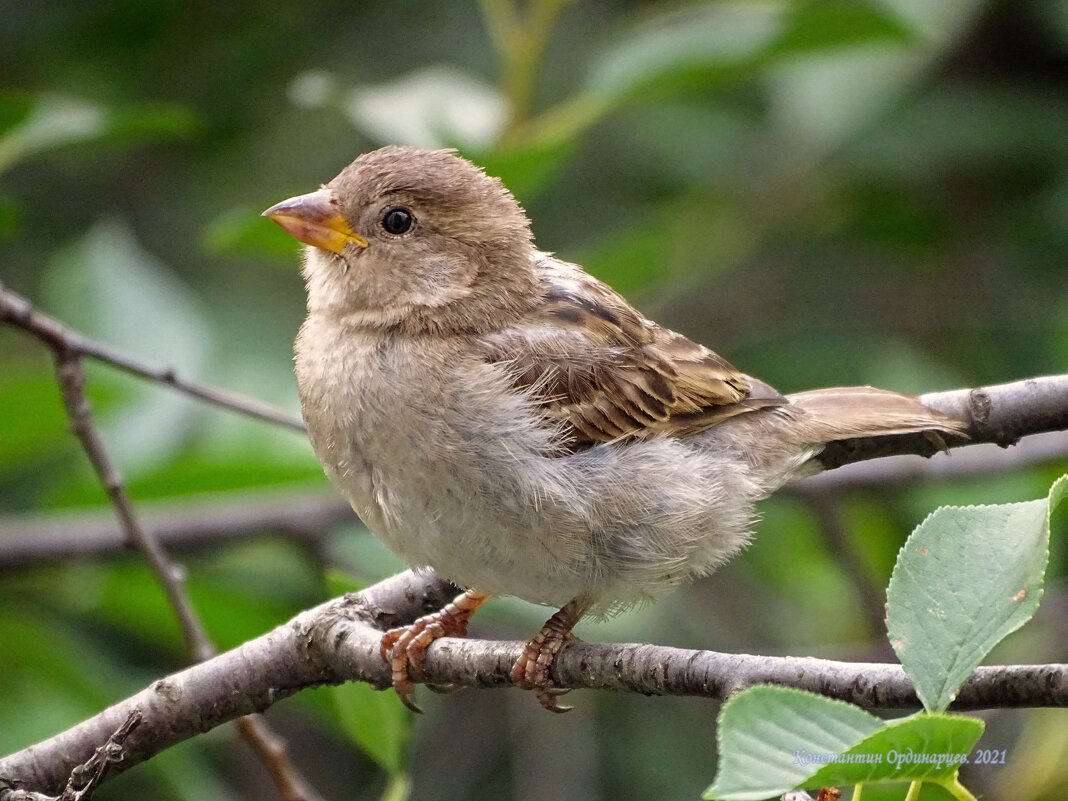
pixel 825 193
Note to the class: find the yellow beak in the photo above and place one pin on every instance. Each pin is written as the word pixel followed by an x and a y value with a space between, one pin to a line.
pixel 315 219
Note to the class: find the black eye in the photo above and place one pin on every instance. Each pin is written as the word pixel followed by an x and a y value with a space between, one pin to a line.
pixel 397 221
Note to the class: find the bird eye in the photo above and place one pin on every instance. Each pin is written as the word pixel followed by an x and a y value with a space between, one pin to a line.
pixel 397 221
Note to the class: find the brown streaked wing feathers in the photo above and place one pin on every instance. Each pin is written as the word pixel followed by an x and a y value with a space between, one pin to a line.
pixel 604 372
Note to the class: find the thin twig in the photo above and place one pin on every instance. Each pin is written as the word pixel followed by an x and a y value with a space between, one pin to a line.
pixel 68 349
pixel 1001 414
pixel 86 777
pixel 17 311
pixel 994 414
pixel 71 379
pixel 274 755
pixel 980 461
pixel 305 516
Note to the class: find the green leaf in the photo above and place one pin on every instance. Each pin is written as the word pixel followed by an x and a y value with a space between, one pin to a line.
pixel 243 230
pixel 696 45
pixel 692 43
pixel 819 26
pixel 765 732
pixel 774 739
pixel 921 747
pixel 965 579
pixel 55 120
pixel 377 722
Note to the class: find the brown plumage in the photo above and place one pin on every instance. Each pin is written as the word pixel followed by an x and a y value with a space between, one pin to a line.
pixel 604 372
pixel 503 417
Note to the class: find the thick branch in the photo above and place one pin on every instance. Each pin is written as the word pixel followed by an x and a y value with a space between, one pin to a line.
pixel 339 641
pixel 316 647
pixel 983 460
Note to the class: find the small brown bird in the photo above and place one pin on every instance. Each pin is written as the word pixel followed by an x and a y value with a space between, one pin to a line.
pixel 503 417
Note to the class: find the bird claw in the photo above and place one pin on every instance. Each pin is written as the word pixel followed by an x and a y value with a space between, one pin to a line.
pixel 405 647
pixel 547 698
pixel 444 689
pixel 406 699
pixel 531 670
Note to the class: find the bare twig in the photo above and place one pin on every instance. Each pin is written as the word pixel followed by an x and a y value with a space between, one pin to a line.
pixel 17 311
pixel 274 755
pixel 169 575
pixel 86 777
pixel 28 539
pixel 981 460
pixel 339 641
pixel 68 350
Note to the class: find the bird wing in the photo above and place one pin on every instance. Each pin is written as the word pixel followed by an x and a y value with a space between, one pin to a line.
pixel 602 372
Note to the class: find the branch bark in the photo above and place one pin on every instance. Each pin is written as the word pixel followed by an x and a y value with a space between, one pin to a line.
pixel 339 641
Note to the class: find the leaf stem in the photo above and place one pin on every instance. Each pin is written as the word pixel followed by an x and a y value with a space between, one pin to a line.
pixel 958 790
pixel 520 41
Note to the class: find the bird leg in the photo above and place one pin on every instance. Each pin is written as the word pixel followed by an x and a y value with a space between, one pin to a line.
pixel 531 670
pixel 406 646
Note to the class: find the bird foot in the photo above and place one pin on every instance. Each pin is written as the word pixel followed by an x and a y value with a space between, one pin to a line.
pixel 531 670
pixel 405 647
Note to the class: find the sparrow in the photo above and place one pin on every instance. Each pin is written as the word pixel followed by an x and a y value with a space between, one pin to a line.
pixel 501 416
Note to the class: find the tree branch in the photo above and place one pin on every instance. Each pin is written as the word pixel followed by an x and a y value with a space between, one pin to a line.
pixel 983 459
pixel 71 379
pixel 303 516
pixel 339 641
pixel 19 312
pixel 68 351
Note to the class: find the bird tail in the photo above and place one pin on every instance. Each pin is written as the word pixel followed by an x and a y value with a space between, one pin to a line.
pixel 781 442
pixel 851 412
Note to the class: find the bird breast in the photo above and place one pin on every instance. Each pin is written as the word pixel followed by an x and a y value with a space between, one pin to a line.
pixel 453 468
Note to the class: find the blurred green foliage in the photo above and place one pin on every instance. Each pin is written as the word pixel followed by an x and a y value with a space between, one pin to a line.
pixel 824 192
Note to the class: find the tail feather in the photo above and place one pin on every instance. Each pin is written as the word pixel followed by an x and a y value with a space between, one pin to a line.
pixel 847 412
